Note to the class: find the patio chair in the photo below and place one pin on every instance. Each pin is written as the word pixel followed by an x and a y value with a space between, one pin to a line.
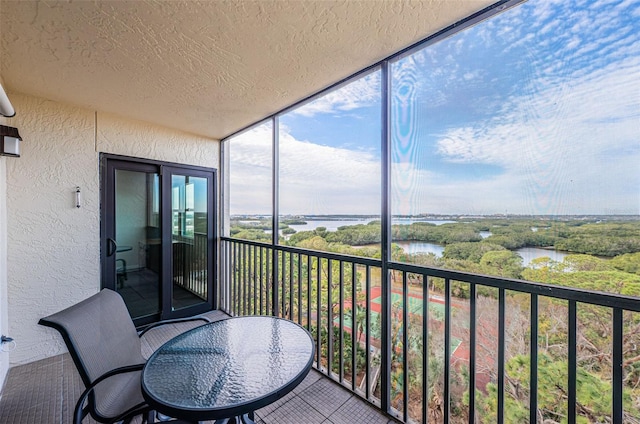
pixel 106 350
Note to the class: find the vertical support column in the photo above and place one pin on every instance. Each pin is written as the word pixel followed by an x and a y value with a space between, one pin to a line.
pixel 385 216
pixel 275 122
pixel 222 280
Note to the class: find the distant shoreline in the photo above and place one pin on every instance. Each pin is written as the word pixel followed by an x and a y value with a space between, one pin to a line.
pixel 442 217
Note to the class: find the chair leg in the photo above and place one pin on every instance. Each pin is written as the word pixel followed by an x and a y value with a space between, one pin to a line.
pixel 247 418
pixel 149 417
pixel 162 418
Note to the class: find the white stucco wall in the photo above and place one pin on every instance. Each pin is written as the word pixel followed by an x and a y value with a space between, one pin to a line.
pixel 4 303
pixel 53 256
pixel 4 317
pixel 54 247
pixel 132 138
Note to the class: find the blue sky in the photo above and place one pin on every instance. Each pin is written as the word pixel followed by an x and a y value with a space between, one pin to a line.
pixel 535 111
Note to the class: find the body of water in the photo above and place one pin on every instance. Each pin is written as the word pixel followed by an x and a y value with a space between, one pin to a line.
pixel 420 247
pixel 527 253
pixel 530 253
pixel 332 225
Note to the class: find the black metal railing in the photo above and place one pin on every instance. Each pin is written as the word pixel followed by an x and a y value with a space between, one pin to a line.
pixel 190 263
pixel 460 347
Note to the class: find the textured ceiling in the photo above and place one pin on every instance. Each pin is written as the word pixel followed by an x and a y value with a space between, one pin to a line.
pixel 209 67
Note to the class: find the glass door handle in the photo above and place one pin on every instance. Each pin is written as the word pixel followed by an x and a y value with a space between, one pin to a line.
pixel 111 247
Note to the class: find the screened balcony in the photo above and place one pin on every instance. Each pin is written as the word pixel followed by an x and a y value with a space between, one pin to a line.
pixel 471 173
pixel 442 223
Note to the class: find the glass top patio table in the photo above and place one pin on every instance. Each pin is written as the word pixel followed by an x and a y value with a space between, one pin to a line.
pixel 227 368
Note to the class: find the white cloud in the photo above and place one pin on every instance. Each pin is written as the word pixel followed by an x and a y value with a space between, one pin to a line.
pixel 359 93
pixel 571 148
pixel 250 172
pixel 314 179
pixel 318 179
pixel 568 145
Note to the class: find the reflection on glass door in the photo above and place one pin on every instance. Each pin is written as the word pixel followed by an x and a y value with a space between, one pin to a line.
pixel 136 241
pixel 157 233
pixel 189 240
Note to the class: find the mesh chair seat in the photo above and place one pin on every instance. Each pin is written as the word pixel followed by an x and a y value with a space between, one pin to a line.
pixel 102 340
pixel 119 393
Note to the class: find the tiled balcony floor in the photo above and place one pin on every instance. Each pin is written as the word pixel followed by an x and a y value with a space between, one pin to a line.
pixel 46 391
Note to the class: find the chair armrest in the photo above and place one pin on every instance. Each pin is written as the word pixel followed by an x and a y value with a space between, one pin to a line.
pixel 79 413
pixel 173 321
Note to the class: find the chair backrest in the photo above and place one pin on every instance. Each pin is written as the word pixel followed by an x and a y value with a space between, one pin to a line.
pixel 99 334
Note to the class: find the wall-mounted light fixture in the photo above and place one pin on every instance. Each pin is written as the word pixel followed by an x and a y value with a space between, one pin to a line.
pixel 77 197
pixel 9 141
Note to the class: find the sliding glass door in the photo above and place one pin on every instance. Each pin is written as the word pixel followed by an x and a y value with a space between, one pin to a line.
pixel 190 221
pixel 157 237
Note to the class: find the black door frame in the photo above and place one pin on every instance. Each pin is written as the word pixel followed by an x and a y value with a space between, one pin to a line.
pixel 108 164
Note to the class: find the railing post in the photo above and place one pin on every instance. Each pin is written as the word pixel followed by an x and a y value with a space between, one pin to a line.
pixel 533 362
pixel 275 302
pixel 617 364
pixel 501 353
pixel 472 353
pixel 425 348
pixel 405 348
pixel 319 312
pixel 367 330
pixel 329 321
pixel 354 326
pixel 447 350
pixel 572 363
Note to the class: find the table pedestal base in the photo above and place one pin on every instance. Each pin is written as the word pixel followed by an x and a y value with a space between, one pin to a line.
pixel 244 419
